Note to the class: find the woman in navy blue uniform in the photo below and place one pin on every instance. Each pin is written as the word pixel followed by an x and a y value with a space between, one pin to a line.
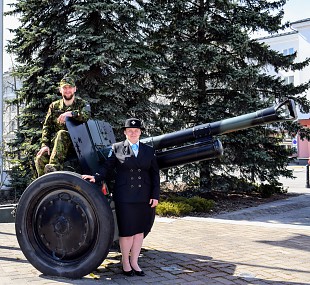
pixel 136 192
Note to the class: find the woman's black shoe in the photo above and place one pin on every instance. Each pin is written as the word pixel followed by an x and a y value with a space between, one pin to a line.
pixel 139 273
pixel 128 273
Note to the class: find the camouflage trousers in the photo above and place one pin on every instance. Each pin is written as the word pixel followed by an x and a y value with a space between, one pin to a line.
pixel 62 145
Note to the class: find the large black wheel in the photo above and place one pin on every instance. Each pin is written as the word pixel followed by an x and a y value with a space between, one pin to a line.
pixel 64 225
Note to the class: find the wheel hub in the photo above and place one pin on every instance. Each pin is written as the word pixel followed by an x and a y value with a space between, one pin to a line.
pixel 64 224
pixel 61 226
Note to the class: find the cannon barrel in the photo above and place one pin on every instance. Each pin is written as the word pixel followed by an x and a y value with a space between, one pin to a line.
pixel 282 112
pixel 190 153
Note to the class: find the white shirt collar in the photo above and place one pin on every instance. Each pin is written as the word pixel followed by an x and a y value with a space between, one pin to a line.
pixel 137 143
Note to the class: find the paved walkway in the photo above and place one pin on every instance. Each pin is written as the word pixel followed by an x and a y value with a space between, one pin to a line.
pixel 269 244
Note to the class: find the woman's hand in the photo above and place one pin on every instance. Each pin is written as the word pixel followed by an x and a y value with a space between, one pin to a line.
pixel 89 177
pixel 153 203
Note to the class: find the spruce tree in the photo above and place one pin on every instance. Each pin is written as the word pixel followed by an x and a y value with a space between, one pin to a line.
pixel 174 64
pixel 99 43
pixel 214 70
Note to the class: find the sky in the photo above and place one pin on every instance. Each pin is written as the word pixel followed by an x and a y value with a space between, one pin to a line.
pixel 294 10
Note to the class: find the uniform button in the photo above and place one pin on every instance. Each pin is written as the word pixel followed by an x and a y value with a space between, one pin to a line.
pixel 131 170
pixel 139 170
pixel 131 186
pixel 131 178
pixel 139 185
pixel 139 177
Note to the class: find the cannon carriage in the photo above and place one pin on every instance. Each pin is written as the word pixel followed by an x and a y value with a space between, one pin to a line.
pixel 65 225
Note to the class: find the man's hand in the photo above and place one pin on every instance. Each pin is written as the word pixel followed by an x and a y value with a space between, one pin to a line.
pixel 153 203
pixel 62 118
pixel 89 177
pixel 43 150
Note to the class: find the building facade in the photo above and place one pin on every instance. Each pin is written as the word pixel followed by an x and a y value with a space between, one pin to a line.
pixel 295 40
pixel 10 121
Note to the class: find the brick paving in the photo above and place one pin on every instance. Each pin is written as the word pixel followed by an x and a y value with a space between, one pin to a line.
pixel 261 245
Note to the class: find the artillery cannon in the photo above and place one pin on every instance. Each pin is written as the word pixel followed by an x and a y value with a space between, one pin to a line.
pixel 65 225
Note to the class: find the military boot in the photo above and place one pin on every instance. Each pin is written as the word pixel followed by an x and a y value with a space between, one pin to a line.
pixel 49 168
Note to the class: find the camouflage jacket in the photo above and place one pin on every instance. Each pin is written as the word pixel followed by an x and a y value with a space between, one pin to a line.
pixel 56 108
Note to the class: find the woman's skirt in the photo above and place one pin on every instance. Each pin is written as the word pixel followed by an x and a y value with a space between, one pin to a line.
pixel 134 218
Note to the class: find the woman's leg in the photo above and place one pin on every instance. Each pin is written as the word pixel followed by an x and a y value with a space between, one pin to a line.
pixel 126 244
pixel 135 251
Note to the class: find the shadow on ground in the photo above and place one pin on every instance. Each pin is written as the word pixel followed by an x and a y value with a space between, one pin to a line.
pixel 176 268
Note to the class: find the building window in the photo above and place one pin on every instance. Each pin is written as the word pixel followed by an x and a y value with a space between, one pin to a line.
pixel 289 79
pixel 13 108
pixel 288 51
pixel 12 126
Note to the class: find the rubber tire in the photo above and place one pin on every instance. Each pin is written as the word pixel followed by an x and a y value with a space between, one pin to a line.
pixel 40 203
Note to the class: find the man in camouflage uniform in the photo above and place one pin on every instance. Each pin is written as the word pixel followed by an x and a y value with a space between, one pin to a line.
pixel 56 142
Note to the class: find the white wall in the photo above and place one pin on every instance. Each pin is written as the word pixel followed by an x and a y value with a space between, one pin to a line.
pixel 299 40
